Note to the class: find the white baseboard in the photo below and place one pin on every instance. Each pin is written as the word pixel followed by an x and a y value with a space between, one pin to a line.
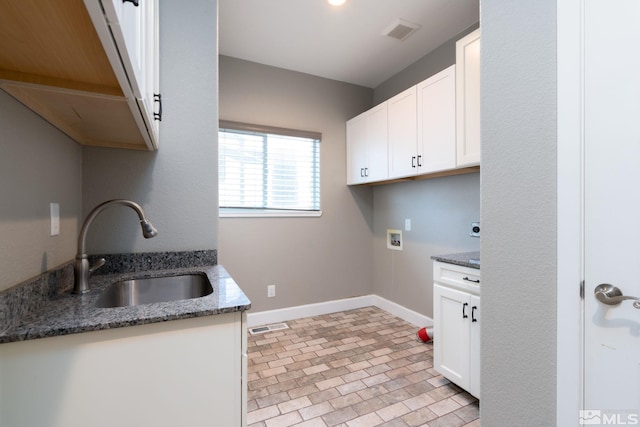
pixel 402 312
pixel 300 311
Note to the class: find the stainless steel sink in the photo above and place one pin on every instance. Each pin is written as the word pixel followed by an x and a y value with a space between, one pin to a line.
pixel 154 289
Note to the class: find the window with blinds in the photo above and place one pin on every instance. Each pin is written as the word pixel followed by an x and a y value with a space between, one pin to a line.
pixel 267 168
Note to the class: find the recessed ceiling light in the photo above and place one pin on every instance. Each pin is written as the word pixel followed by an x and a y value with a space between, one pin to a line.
pixel 336 2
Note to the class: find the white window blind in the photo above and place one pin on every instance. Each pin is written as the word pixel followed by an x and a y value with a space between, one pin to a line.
pixel 268 168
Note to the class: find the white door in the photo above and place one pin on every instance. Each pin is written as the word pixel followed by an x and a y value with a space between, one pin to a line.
pixel 612 206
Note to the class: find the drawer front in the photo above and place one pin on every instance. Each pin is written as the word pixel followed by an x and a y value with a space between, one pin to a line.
pixel 457 276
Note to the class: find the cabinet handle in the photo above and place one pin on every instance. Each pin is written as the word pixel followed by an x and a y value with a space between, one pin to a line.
pixel 158 98
pixel 366 171
pixel 419 163
pixel 361 172
pixel 464 307
pixel 413 161
pixel 473 314
pixel 136 3
pixel 471 280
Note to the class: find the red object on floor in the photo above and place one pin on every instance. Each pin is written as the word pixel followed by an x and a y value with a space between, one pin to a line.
pixel 425 334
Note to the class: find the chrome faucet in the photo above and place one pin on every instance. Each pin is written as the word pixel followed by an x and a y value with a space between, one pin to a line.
pixel 82 270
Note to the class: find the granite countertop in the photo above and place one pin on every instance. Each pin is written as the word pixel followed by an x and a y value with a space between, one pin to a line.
pixel 48 308
pixel 466 259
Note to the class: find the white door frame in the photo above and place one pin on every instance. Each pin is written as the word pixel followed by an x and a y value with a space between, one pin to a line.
pixel 570 247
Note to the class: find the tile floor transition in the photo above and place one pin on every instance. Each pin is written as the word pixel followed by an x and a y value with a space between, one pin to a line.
pixel 354 368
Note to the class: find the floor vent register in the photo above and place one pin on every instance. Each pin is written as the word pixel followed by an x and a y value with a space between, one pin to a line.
pixel 268 328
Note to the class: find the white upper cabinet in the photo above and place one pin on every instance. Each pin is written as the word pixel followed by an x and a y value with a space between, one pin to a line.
pixel 432 129
pixel 356 149
pixel 377 144
pixel 135 30
pixel 133 25
pixel 468 99
pixel 422 127
pixel 127 21
pixel 437 122
pixel 367 146
pixel 403 134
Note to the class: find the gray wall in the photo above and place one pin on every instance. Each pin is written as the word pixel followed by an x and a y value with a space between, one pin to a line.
pixel 309 260
pixel 441 211
pixel 38 165
pixel 430 64
pixel 177 185
pixel 518 213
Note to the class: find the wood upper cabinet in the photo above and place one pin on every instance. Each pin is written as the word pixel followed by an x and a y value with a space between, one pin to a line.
pixel 65 61
pixel 468 99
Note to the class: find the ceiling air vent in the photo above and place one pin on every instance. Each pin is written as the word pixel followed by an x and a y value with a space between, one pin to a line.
pixel 400 29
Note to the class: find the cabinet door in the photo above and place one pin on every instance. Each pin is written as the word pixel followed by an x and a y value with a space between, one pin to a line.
pixel 127 23
pixel 403 128
pixel 437 122
pixel 130 37
pixel 451 315
pixel 468 99
pixel 356 149
pixel 150 107
pixel 377 167
pixel 474 347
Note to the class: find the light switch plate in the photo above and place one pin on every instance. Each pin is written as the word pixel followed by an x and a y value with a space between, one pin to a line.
pixel 54 209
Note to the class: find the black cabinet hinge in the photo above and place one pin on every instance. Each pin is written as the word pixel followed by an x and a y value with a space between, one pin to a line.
pixel 158 98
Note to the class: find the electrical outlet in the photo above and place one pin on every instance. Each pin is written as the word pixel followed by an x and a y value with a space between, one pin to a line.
pixel 407 224
pixel 271 291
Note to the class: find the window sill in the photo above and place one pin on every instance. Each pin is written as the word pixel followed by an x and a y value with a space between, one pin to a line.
pixel 257 213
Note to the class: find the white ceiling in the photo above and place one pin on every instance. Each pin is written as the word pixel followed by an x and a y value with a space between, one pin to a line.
pixel 342 43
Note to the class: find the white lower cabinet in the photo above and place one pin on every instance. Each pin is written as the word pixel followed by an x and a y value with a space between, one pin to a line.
pixel 456 317
pixel 189 372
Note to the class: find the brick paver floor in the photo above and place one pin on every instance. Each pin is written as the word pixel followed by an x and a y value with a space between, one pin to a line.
pixel 354 368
